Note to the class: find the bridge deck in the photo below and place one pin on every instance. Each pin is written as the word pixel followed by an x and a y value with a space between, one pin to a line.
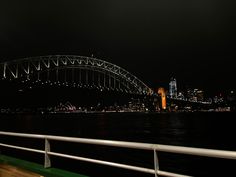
pixel 13 167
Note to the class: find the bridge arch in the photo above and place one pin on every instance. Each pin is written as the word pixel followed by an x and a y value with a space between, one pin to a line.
pixel 83 72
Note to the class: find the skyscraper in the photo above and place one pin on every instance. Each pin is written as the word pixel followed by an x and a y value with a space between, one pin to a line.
pixel 173 88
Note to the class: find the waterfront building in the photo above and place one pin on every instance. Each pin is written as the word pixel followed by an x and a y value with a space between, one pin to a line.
pixel 190 94
pixel 195 95
pixel 181 96
pixel 200 95
pixel 231 96
pixel 218 99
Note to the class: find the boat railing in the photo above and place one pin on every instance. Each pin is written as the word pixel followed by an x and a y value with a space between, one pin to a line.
pixel 155 148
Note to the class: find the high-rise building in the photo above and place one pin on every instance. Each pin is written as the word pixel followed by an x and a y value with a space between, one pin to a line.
pixel 173 88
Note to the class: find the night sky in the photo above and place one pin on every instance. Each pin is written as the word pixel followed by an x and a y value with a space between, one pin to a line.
pixel 192 40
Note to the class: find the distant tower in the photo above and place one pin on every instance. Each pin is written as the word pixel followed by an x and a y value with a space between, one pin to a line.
pixel 173 88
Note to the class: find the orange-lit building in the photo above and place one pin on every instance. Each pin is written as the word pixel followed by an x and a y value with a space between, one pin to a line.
pixel 162 93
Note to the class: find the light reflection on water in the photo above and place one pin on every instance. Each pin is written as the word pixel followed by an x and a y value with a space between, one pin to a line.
pixel 212 130
pixel 205 130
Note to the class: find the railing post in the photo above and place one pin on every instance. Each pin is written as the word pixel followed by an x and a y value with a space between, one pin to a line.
pixel 156 163
pixel 47 161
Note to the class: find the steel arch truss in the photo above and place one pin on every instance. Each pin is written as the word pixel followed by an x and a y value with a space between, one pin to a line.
pixel 84 72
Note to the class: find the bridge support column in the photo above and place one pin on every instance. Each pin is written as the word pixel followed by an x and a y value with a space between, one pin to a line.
pixel 80 76
pixel 65 76
pixel 109 81
pixel 99 84
pixel 56 75
pixel 104 80
pixel 86 72
pixel 92 77
pixel 114 85
pixel 48 75
pixel 73 75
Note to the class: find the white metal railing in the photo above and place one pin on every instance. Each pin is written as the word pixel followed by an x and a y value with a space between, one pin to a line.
pixel 143 146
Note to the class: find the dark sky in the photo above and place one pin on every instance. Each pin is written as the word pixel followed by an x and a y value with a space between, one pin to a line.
pixel 193 40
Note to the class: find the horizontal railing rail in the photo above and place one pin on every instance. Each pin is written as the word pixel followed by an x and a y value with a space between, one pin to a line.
pixel 122 144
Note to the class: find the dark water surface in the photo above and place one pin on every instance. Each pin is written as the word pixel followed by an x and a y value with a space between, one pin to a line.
pixel 214 130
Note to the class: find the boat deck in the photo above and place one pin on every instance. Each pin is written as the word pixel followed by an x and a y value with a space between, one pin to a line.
pixel 12 171
pixel 13 167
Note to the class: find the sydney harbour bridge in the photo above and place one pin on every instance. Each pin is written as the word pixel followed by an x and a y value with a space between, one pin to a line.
pixel 74 73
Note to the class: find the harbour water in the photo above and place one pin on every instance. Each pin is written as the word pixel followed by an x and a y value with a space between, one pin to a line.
pixel 215 130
